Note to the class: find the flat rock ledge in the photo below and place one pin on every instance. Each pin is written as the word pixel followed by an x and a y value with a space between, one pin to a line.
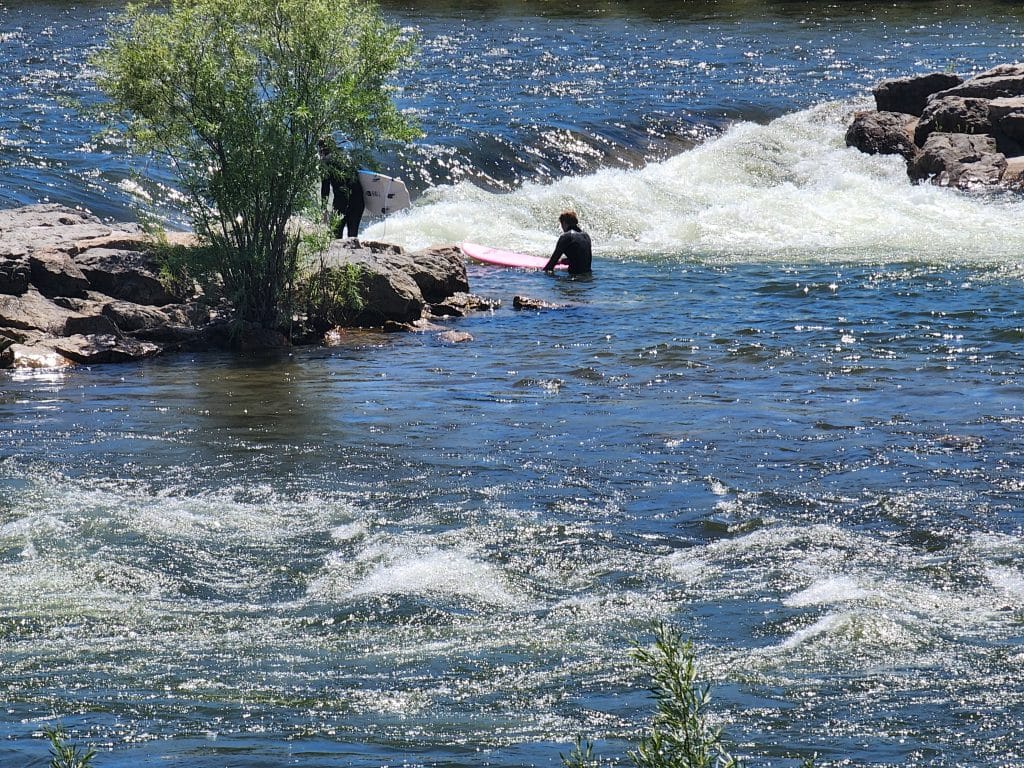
pixel 952 131
pixel 76 290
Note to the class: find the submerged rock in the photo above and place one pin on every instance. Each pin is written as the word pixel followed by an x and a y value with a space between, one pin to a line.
pixel 525 302
pixel 454 337
pixel 461 304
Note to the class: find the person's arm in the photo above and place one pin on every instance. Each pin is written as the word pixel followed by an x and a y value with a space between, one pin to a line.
pixel 325 188
pixel 559 252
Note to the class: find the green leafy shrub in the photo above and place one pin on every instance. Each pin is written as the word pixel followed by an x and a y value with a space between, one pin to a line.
pixel 65 755
pixel 680 736
pixel 235 94
pixel 333 296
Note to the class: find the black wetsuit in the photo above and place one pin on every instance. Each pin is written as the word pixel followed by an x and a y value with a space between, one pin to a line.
pixel 575 246
pixel 348 195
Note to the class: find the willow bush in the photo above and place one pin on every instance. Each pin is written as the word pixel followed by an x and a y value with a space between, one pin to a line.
pixel 234 95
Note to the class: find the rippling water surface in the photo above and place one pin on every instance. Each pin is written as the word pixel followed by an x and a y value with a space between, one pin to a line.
pixel 785 415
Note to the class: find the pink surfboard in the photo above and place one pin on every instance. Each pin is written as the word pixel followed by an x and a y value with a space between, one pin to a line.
pixel 499 258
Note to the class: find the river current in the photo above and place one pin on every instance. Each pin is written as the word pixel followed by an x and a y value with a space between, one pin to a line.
pixel 785 416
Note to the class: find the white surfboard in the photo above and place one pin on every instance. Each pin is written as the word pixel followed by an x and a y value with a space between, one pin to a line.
pixel 383 194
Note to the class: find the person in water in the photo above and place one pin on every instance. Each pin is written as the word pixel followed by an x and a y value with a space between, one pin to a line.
pixel 339 174
pixel 573 244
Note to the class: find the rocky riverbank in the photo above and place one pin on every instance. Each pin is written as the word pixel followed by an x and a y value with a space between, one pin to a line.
pixel 951 131
pixel 74 290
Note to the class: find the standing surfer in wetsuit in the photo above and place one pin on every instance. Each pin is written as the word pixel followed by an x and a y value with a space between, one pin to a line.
pixel 574 244
pixel 339 174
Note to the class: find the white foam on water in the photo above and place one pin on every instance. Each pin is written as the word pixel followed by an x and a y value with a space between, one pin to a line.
pixel 412 566
pixel 883 600
pixel 95 547
pixel 827 625
pixel 828 591
pixel 1010 582
pixel 789 190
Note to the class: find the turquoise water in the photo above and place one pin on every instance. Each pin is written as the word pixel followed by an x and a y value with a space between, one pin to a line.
pixel 785 415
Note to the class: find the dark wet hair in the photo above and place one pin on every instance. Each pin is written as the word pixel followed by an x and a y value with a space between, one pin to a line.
pixel 569 220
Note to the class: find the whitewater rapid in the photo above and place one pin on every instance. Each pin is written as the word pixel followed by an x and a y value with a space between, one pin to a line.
pixel 788 191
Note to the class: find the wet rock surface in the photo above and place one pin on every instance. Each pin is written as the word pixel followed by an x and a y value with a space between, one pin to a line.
pixel 75 290
pixel 951 131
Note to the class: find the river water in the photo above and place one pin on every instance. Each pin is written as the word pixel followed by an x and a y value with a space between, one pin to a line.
pixel 786 416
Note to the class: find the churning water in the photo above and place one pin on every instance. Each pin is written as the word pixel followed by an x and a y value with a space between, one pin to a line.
pixel 785 415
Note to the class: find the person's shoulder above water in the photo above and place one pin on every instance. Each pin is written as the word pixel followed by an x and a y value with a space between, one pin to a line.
pixel 573 244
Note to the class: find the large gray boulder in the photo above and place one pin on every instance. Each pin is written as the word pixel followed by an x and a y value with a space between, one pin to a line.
pixel 1004 80
pixel 910 94
pixel 396 285
pixel 129 275
pixel 953 114
pixel 439 272
pixel 388 293
pixel 34 312
pixel 883 133
pixel 129 317
pixel 46 227
pixel 55 274
pixel 958 160
pixel 95 349
pixel 1007 117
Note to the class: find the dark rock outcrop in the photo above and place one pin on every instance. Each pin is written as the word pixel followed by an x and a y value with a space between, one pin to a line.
pixel 958 159
pixel 953 114
pixel 56 274
pixel 15 275
pixel 968 133
pixel 128 275
pixel 883 133
pixel 76 290
pixel 1004 80
pixel 910 94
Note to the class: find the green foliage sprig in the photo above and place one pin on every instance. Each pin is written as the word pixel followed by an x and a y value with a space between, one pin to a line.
pixel 65 755
pixel 680 736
